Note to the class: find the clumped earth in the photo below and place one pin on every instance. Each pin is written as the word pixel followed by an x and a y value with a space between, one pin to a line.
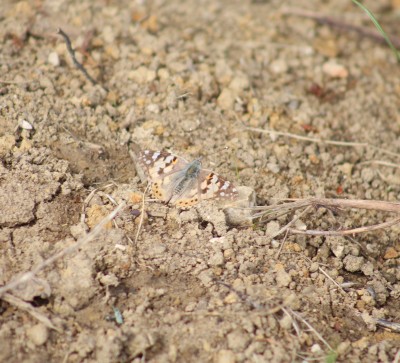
pixel 192 77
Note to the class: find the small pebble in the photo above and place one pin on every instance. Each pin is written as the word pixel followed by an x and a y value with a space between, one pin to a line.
pixel 156 250
pixel 314 267
pixel 353 263
pixel 38 334
pixel 343 347
pixel 142 75
pixel 274 168
pixel 338 246
pixel 367 175
pixel 283 279
pixel 238 340
pixel 279 66
pixel 346 168
pixel 154 108
pixel 275 243
pixel 54 59
pixel 239 83
pixel 217 259
pixel 294 104
pixel 25 125
pixel 241 217
pixel 226 99
pixel 272 228
pixel 335 70
pixel 368 269
pixel 225 356
pixel 391 253
pixel 316 348
pixel 286 322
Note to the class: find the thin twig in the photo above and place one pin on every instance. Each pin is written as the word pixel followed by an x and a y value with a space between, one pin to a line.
pixel 338 204
pixel 76 63
pixel 320 269
pixel 323 141
pixel 336 23
pixel 15 82
pixel 295 203
pixel 299 317
pixel 306 138
pixel 331 279
pixel 348 231
pixel 81 242
pixel 388 325
pixel 294 323
pixel 282 244
pixel 141 214
pixel 286 228
pixel 380 162
pixel 23 305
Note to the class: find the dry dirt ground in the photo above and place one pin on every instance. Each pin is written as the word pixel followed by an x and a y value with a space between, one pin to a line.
pixel 191 77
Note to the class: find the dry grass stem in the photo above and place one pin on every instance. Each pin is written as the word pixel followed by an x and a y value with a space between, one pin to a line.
pixel 280 209
pixel 338 204
pixel 341 25
pixel 309 326
pixel 388 325
pixel 15 82
pixel 81 242
pixel 322 141
pixel 294 323
pixel 282 244
pixel 380 162
pixel 23 305
pixel 141 214
pixel 331 279
pixel 286 228
pixel 348 231
pixel 295 218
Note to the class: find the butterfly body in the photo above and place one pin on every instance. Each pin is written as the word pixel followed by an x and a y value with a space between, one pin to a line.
pixel 179 182
pixel 187 177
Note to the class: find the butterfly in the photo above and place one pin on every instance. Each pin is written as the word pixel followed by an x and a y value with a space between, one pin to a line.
pixel 176 181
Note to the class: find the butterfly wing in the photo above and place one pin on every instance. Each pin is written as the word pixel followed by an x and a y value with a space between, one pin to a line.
pixel 158 164
pixel 161 169
pixel 209 186
pixel 167 171
pixel 214 186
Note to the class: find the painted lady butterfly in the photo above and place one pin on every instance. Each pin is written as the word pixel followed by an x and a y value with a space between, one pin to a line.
pixel 179 182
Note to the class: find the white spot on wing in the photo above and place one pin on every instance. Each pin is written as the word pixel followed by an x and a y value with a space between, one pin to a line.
pixel 225 186
pixel 155 155
pixel 169 158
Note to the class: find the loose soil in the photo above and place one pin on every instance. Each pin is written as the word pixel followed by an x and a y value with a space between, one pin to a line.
pixel 191 77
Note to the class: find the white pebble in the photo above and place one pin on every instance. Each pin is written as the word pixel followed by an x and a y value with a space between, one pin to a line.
pixel 54 59
pixel 38 334
pixel 25 125
pixel 335 70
